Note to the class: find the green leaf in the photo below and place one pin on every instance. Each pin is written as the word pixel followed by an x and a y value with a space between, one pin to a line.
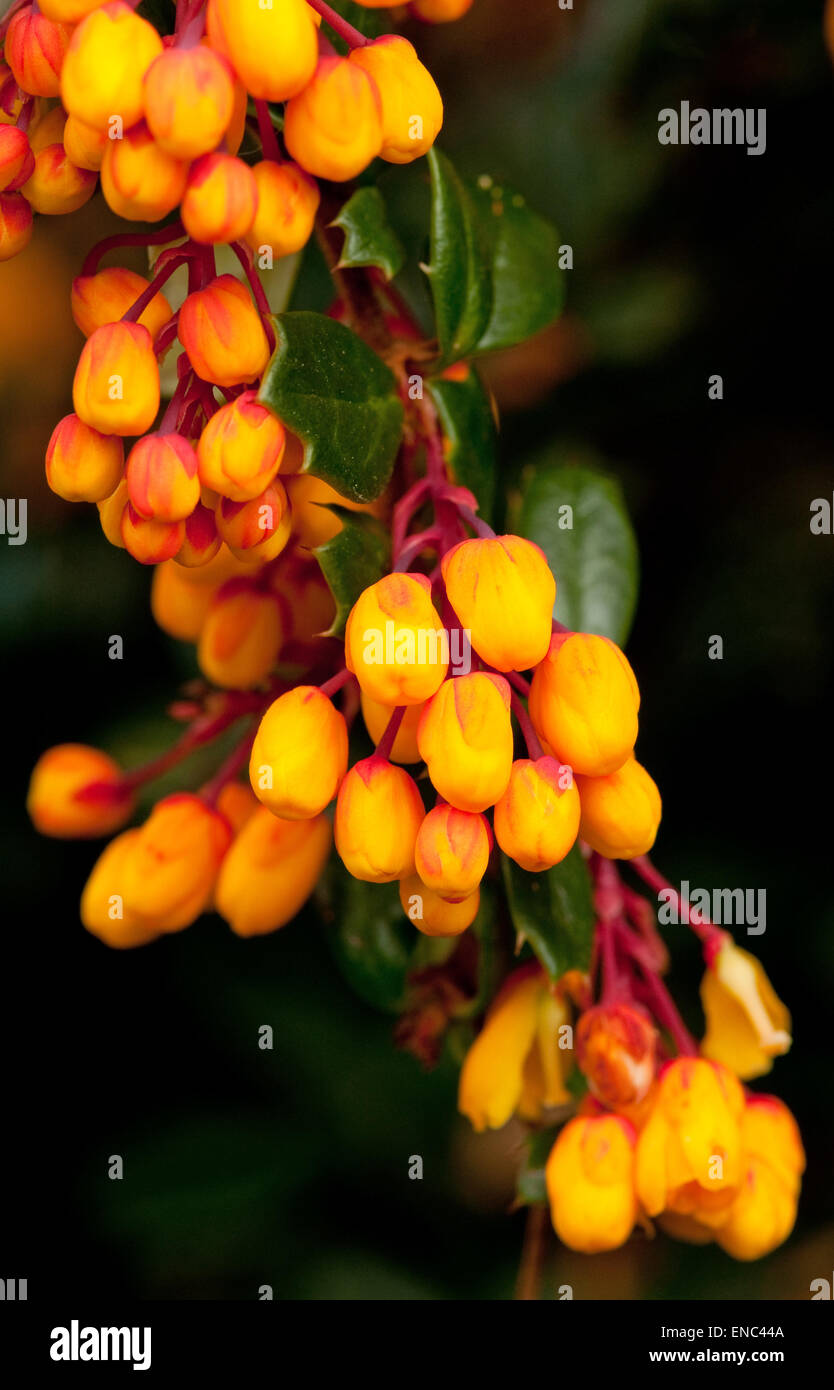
pixel 459 269
pixel 466 416
pixel 369 237
pixel 371 937
pixel 528 288
pixel 553 911
pixel 591 548
pixel 531 1187
pixel 331 390
pixel 355 557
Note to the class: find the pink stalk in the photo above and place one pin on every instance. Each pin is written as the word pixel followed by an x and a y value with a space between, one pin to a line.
pixel 339 26
pixel 386 743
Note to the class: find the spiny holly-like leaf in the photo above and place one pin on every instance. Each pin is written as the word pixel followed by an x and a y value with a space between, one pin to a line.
pixel 527 284
pixel 458 270
pixel 579 519
pixel 466 415
pixel 553 911
pixel 369 237
pixel 331 390
pixel 355 557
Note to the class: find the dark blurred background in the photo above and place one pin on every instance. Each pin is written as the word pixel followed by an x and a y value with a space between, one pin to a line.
pixel 290 1167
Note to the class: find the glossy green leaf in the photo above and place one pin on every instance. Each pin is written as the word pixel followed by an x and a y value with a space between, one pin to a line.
pixel 466 416
pixel 528 288
pixel 331 390
pixel 369 237
pixel 371 937
pixel 553 911
pixel 458 269
pixel 579 519
pixel 355 557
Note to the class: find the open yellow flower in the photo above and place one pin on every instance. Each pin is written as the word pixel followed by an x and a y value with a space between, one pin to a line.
pixel 747 1024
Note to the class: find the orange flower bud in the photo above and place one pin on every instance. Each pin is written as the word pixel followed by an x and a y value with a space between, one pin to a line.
pixel 48 129
pixel 189 100
pixel 690 1155
pixel 503 593
pixel 104 69
pixel 311 497
pixel 241 449
pixel 179 604
pixel 616 1049
pixel 150 541
pixel 287 203
pixel 376 716
pixel 75 793
pixel 167 879
pixel 299 755
pixel 519 1060
pixel 202 539
pixel 84 144
pixel 412 109
pixel 35 51
pixel 466 740
pixel 221 331
pixel 273 50
pixel 220 200
pixel 378 814
pixel 590 1183
pixel 102 905
pixel 116 385
pixel 437 11
pixel 81 464
pixel 270 871
pixel 15 224
pixel 110 513
pixel 308 604
pixel 452 850
pixel 763 1214
pixel 584 701
pixel 537 818
pixel 16 157
pixel 162 480
pixel 104 297
pixel 333 129
pixel 620 812
pixel 55 185
pixel 238 804
pixel 258 528
pixel 139 180
pixel 747 1024
pixel 68 11
pixel 434 915
pixel 241 636
pixel 395 643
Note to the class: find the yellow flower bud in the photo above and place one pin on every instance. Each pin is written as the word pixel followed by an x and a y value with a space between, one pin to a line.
pixel 378 814
pixel 412 109
pixel 16 158
pixel 189 100
pixel 583 703
pixel 272 49
pixel 202 539
pixel 150 541
pixel 299 756
pixel 465 738
pixel 311 497
pixel 452 850
pixel 395 643
pixel 167 879
pixel 56 186
pixel 84 144
pixel 517 1062
pixel 238 804
pixel 179 604
pixel 81 464
pixel 616 1050
pixel 68 11
pixel 376 716
pixel 241 449
pixel 15 224
pixel 270 871
pixel 287 203
pixel 220 199
pixel 102 905
pixel 620 812
pixel 333 129
pixel 437 11
pixel 503 593
pixel 161 475
pixel 259 528
pixel 75 793
pixel 105 65
pixel 763 1214
pixel 241 636
pixel 116 385
pixel 139 180
pixel 434 915
pixel 35 50
pixel 537 818
pixel 590 1183
pixel 104 297
pixel 48 129
pixel 110 513
pixel 221 331
pixel 747 1024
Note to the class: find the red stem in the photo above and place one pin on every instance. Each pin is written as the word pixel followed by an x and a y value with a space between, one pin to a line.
pixel 386 743
pixel 244 255
pixel 173 231
pixel 339 26
pixel 269 138
pixel 703 928
pixel 534 748
pixel 336 682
